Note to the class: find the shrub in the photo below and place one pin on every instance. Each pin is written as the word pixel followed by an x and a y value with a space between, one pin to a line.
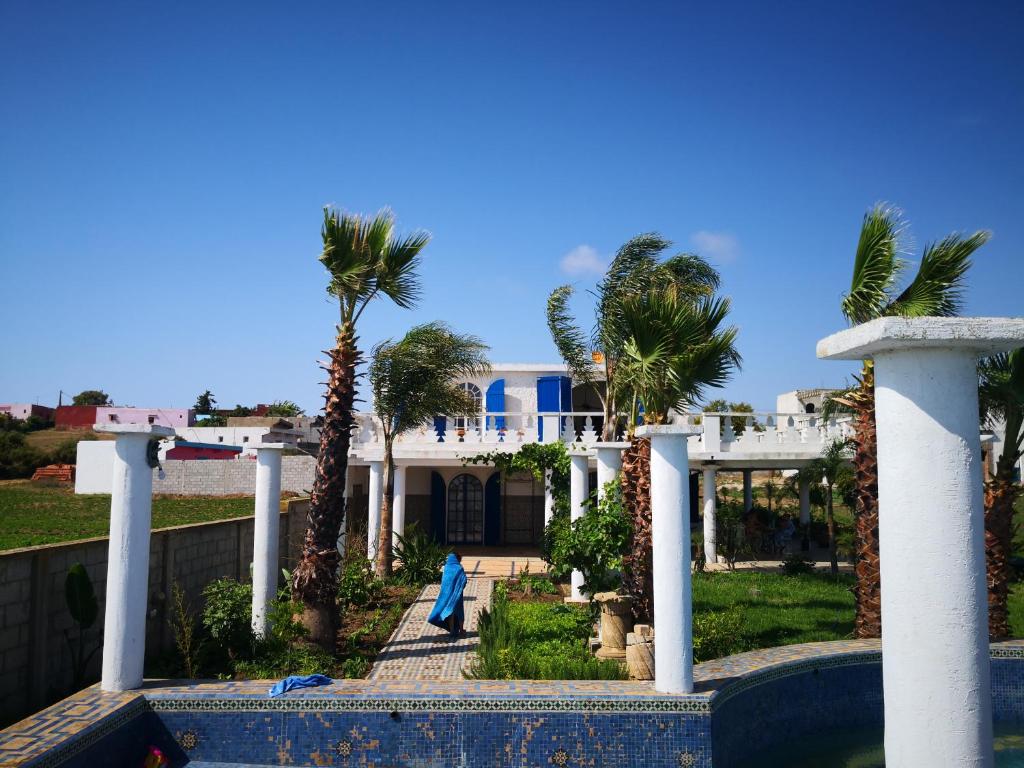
pixel 730 533
pixel 421 558
pixel 357 586
pixel 227 616
pixel 556 542
pixel 276 660
pixel 183 627
pixel 18 458
pixel 65 453
pixel 796 564
pixel 717 634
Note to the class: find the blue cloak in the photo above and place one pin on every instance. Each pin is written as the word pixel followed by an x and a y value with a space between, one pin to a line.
pixel 449 601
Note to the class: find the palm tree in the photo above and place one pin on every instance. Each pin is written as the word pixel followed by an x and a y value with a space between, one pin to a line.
pixel 674 349
pixel 826 469
pixel 365 260
pixel 413 380
pixel 1001 393
pixel 634 270
pixel 935 290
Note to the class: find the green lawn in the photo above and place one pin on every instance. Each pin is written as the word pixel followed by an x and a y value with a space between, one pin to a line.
pixel 776 609
pixel 36 514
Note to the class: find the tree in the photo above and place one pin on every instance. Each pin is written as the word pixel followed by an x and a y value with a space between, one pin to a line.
pixel 675 348
pixel 634 270
pixel 365 260
pixel 1001 393
pixel 935 290
pixel 284 408
pixel 91 397
pixel 413 380
pixel 827 470
pixel 206 403
pixel 739 423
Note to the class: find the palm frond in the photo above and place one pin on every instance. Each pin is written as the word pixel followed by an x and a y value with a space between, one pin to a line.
pixel 569 338
pixel 937 289
pixel 876 266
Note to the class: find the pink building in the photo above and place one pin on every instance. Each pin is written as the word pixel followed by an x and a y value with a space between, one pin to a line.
pixel 23 411
pixel 175 418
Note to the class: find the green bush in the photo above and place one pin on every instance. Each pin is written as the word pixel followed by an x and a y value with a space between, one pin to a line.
pixel 796 564
pixel 538 641
pixel 556 542
pixel 65 453
pixel 357 586
pixel 421 557
pixel 227 616
pixel 273 660
pixel 17 457
pixel 717 634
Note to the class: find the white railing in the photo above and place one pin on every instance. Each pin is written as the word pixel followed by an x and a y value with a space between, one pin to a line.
pixel 719 432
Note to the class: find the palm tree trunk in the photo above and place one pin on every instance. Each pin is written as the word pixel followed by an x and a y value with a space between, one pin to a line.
pixel 833 559
pixel 1001 493
pixel 384 564
pixel 868 589
pixel 638 564
pixel 314 580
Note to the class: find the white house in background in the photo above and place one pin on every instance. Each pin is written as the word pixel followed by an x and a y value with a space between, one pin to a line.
pixel 802 400
pixel 246 437
pixel 526 403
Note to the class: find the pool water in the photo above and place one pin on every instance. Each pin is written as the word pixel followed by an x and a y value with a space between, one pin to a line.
pixel 862 748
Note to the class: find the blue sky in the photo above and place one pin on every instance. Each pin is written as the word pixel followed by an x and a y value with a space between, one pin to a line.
pixel 163 171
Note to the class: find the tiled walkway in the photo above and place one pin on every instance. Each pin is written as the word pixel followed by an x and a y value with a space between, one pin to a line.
pixel 420 651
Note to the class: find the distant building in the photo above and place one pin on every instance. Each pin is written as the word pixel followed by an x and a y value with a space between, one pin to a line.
pixel 85 416
pixel 803 400
pixel 184 449
pixel 22 411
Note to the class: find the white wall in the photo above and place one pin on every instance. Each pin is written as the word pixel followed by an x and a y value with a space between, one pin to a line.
pixel 788 402
pixel 246 438
pixel 94 467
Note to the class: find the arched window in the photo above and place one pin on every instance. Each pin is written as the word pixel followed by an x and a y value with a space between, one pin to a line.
pixel 809 408
pixel 462 422
pixel 465 510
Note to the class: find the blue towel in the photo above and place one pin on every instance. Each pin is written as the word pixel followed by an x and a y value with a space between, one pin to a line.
pixel 449 601
pixel 299 681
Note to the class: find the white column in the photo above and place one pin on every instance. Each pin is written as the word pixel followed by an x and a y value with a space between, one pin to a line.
pixel 609 462
pixel 266 532
pixel 398 505
pixel 710 532
pixel 343 532
pixel 805 501
pixel 376 490
pixel 549 498
pixel 935 670
pixel 578 493
pixel 670 537
pixel 131 510
pixel 748 490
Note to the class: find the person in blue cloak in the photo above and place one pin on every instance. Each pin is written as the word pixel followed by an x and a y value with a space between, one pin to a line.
pixel 448 612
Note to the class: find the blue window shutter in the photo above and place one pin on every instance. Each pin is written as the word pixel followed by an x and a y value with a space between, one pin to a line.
pixel 565 390
pixel 437 508
pixel 440 425
pixel 492 510
pixel 548 397
pixel 496 401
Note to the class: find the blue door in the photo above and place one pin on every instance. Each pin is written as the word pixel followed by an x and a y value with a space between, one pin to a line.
pixel 496 402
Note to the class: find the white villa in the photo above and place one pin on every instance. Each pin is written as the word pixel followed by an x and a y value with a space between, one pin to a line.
pixel 523 403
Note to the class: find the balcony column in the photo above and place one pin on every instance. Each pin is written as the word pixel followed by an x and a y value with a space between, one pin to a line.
pixel 343 531
pixel 670 537
pixel 609 463
pixel 398 505
pixel 710 501
pixel 131 513
pixel 376 498
pixel 748 490
pixel 937 694
pixel 549 498
pixel 266 533
pixel 578 494
pixel 805 501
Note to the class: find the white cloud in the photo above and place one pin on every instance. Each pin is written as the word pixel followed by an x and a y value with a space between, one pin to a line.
pixel 581 260
pixel 722 247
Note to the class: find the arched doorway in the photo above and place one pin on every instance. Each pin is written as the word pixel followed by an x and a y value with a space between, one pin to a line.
pixel 465 510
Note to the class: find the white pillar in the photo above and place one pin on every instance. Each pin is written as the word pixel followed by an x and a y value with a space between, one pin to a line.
pixel 373 510
pixel 609 462
pixel 131 510
pixel 748 490
pixel 805 501
pixel 266 532
pixel 398 505
pixel 937 692
pixel 343 532
pixel 710 532
pixel 670 537
pixel 549 498
pixel 578 493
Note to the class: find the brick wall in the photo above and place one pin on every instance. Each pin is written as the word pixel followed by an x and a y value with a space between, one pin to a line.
pixel 220 478
pixel 35 660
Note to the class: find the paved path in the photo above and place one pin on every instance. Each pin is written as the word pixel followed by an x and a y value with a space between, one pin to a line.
pixel 419 651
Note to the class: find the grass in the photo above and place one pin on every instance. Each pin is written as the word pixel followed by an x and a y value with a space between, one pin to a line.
pixel 33 514
pixel 47 439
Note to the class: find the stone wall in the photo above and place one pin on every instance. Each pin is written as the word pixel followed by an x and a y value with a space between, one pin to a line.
pixel 35 659
pixel 221 478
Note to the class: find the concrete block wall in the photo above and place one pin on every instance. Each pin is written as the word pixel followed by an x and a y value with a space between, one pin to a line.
pixel 35 659
pixel 221 478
